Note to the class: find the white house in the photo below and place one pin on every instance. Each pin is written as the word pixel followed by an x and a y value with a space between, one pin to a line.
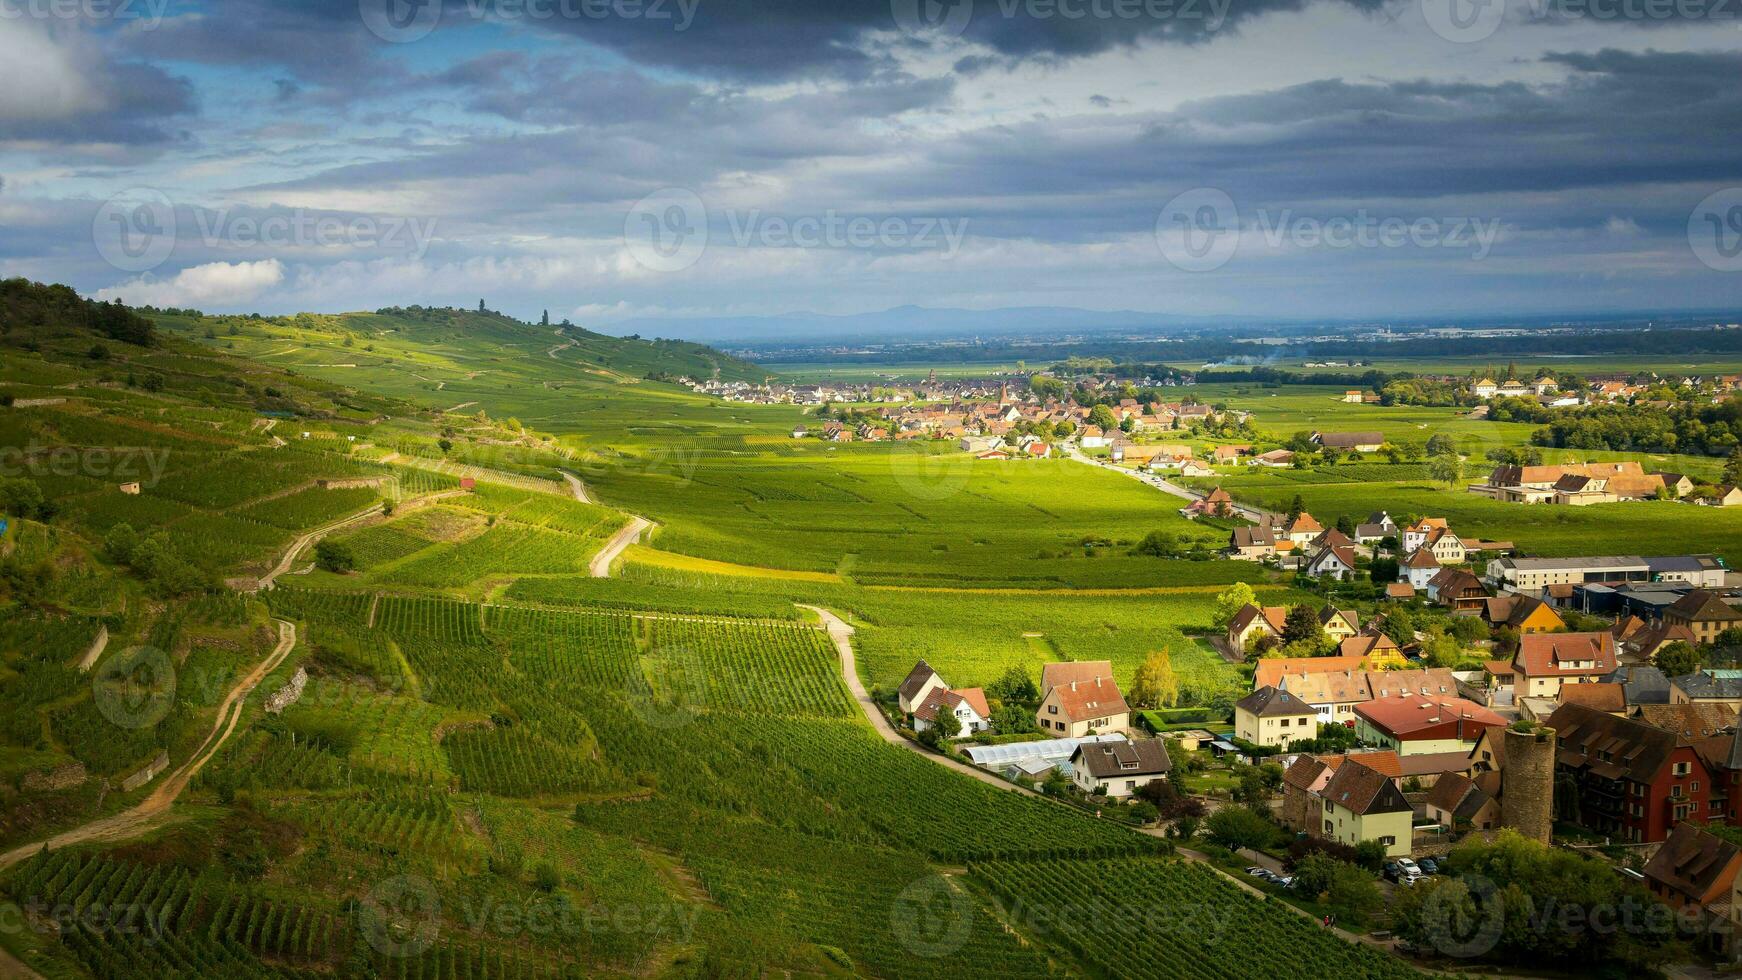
pixel 1417 568
pixel 968 705
pixel 1119 768
pixel 1336 561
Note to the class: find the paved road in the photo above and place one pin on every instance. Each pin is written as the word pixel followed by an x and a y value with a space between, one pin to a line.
pixel 578 488
pixel 1249 513
pixel 146 813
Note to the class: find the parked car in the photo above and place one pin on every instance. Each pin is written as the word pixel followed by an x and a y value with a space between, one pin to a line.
pixel 1392 871
pixel 1407 869
pixel 1257 872
pixel 1428 866
pixel 1286 881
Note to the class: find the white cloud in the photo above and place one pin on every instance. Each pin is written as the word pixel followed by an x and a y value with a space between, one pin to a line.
pixel 213 284
pixel 40 79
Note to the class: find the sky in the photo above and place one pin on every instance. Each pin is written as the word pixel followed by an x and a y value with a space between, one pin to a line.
pixel 619 160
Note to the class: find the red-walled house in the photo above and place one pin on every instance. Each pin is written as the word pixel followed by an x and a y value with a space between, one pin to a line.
pixel 1634 782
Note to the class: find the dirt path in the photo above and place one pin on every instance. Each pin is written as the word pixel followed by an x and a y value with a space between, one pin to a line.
pixel 631 533
pixel 842 634
pixel 144 815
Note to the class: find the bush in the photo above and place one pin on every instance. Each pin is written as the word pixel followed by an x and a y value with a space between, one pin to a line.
pixel 1235 827
pixel 334 556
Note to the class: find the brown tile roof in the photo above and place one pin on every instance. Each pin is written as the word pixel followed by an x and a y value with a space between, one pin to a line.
pixel 1305 772
pixel 1386 761
pixel 916 679
pixel 1697 865
pixel 1688 720
pixel 1424 681
pixel 1543 654
pixel 1420 558
pixel 1413 716
pixel 1603 697
pixel 1622 746
pixel 1399 590
pixel 1363 790
pixel 1271 670
pixel 1103 760
pixel 1702 606
pixel 1452 791
pixel 976 698
pixel 1099 698
pixel 1270 701
pixel 1052 675
pixel 1303 523
pixel 1366 646
pixel 1328 687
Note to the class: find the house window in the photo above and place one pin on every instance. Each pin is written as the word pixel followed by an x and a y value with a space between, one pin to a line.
pixel 1682 768
pixel 1675 792
pixel 1052 709
pixel 1328 827
pixel 1388 841
pixel 1327 809
pixel 1694 787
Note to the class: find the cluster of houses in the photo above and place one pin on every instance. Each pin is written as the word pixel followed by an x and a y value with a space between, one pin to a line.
pixel 867 393
pixel 997 424
pixel 1082 711
pixel 1582 484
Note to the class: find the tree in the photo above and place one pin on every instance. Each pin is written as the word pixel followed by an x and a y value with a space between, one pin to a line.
pixel 1302 624
pixel 1235 827
pixel 1231 600
pixel 1156 684
pixel 1353 896
pixel 1295 508
pixel 946 722
pixel 334 556
pixel 1158 544
pixel 1399 624
pixel 1446 468
pixel 1733 467
pixel 1015 686
pixel 1441 444
pixel 1102 418
pixel 1677 659
pixel 545 877
pixel 445 445
pixel 1346 524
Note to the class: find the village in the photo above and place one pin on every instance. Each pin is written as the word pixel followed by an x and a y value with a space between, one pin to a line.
pixel 1441 688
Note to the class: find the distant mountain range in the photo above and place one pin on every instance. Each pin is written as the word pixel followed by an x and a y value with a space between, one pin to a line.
pixel 915 323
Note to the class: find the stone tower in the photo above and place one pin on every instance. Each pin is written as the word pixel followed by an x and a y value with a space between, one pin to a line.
pixel 1527 782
